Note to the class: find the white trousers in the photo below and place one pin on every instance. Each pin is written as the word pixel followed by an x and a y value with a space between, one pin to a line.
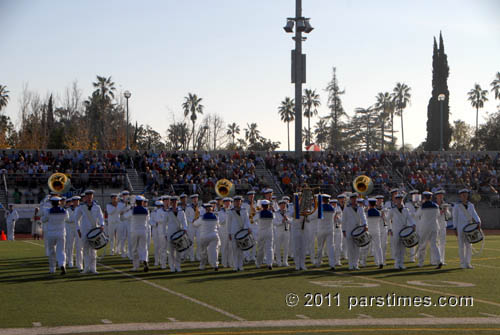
pixel 113 232
pixel 237 256
pixel 165 248
pixel 325 241
pixel 282 241
pixel 464 249
pixel 56 247
pixel 174 257
pixel 89 257
pixel 383 242
pixel 264 248
pixel 156 244
pixel 398 249
pixel 71 236
pixel 441 238
pixel 209 250
pixel 352 252
pixel 428 236
pixel 311 231
pixel 122 236
pixel 78 252
pixel 11 227
pixel 337 244
pixel 226 249
pixel 299 242
pixel 192 232
pixel 139 247
pixel 375 247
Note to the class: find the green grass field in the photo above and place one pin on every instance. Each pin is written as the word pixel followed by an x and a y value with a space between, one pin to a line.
pixel 249 302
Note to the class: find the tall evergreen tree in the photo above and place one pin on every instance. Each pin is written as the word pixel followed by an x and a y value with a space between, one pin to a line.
pixel 440 73
pixel 337 127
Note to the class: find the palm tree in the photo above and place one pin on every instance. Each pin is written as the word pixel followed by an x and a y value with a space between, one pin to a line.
pixel 4 96
pixel 287 113
pixel 252 134
pixel 105 88
pixel 192 106
pixel 310 101
pixel 384 105
pixel 321 132
pixel 401 98
pixel 477 97
pixel 232 130
pixel 495 86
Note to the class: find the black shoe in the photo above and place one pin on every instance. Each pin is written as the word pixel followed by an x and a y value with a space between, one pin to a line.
pixel 270 267
pixel 332 268
pixel 216 269
pixel 63 270
pixel 381 266
pixel 439 266
pixel 146 267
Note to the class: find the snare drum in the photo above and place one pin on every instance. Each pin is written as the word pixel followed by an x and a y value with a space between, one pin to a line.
pixel 360 236
pixel 180 240
pixel 244 239
pixel 408 236
pixel 473 233
pixel 97 239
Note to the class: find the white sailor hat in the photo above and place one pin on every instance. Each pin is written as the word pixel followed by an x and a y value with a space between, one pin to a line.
pixel 158 203
pixel 53 193
pixel 394 190
pixel 213 202
pixel 282 201
pixel 440 192
pixel 140 198
pixel 237 197
pixel 125 192
pixel 399 195
pixel 372 200
pixel 464 190
pixel 82 195
pixel 361 200
pixel 353 195
pixel 274 197
pixel 326 196
pixel 76 198
pixel 227 199
pixel 334 201
pixel 414 192
pixel 218 198
pixel 113 195
pixel 183 195
pixel 89 191
pixel 165 197
pixel 427 193
pixel 341 196
pixel 55 198
pixel 207 205
pixel 194 196
pixel 173 198
pixel 250 192
pixel 286 198
pixel 265 202
pixel 379 197
pixel 267 190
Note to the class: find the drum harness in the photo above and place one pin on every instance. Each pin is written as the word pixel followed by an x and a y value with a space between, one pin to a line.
pixel 471 220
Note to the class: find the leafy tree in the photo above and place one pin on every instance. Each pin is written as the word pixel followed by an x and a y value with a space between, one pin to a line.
pixel 488 135
pixel 385 107
pixel 252 134
pixel 477 98
pixel 337 127
pixel 178 136
pixel 192 107
pixel 321 133
pixel 8 135
pixel 461 138
pixel 401 97
pixel 440 73
pixel 310 102
pixel 287 113
pixel 4 97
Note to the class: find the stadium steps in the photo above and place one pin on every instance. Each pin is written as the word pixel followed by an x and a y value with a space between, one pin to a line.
pixel 136 182
pixel 268 178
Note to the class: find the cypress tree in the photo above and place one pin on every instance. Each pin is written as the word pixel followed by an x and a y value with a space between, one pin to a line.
pixel 440 73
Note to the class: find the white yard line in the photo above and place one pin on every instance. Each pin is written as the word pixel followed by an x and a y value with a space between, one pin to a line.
pixel 173 319
pixel 106 321
pixel 180 295
pixel 39 245
pixel 427 315
pixel 365 316
pixel 127 327
pixel 303 317
pixel 37 324
pixel 490 315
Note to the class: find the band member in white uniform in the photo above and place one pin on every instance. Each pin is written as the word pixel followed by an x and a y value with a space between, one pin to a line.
pixel 299 235
pixel 337 231
pixel 237 220
pixel 45 206
pixel 444 216
pixel 282 233
pixel 325 233
pixel 11 216
pixel 193 213
pixel 78 240
pixel 154 220
pixel 252 207
pixel 375 225
pixel 163 234
pixel 427 216
pixel 388 205
pixel 352 217
pixel 175 219
pixel 342 246
pixel 399 217
pixel 226 247
pixel 56 234
pixel 413 207
pixel 139 216
pixel 208 226
pixel 123 230
pixel 265 219
pixel 70 232
pixel 463 214
pixel 113 215
pixel 385 227
pixel 88 216
pixel 36 225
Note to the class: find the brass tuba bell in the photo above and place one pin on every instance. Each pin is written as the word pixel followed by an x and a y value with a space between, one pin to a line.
pixel 59 183
pixel 224 188
pixel 363 185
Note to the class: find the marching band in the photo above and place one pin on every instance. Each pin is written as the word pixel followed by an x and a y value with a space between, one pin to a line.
pixel 228 232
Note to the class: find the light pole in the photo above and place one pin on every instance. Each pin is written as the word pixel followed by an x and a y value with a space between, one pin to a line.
pixel 127 96
pixel 441 98
pixel 298 67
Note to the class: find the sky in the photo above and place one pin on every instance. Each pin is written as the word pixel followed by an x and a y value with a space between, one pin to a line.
pixel 236 55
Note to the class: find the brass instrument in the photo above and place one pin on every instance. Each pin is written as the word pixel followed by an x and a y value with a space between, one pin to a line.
pixel 285 222
pixel 308 203
pixel 59 183
pixel 224 188
pixel 196 213
pixel 253 211
pixel 363 185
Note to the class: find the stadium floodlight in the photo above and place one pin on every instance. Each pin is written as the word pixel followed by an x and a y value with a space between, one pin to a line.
pixel 289 26
pixel 308 28
pixel 441 98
